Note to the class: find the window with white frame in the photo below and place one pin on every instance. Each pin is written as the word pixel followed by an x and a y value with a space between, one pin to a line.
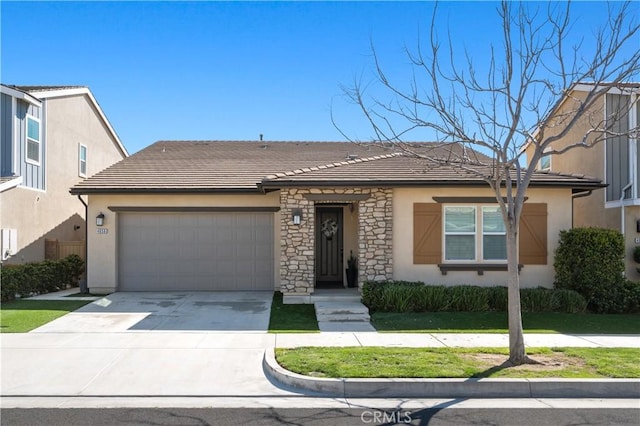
pixel 494 237
pixel 460 233
pixel 545 162
pixel 33 140
pixel 82 160
pixel 474 233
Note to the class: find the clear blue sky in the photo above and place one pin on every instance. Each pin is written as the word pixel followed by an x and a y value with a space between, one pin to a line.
pixel 210 70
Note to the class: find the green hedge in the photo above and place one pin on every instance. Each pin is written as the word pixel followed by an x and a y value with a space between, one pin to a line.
pixel 591 262
pixel 403 296
pixel 38 278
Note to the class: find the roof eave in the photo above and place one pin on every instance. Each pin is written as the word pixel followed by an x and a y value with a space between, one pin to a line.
pixel 90 191
pixel 269 185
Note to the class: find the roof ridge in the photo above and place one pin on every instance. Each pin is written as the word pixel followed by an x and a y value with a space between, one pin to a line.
pixel 330 165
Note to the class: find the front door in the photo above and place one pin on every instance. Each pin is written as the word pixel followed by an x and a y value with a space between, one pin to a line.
pixel 329 247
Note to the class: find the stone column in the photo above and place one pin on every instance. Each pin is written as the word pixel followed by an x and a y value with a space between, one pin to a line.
pixel 375 236
pixel 297 260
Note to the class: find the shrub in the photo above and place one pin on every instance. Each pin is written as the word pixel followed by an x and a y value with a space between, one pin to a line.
pixel 401 296
pixel 591 262
pixel 498 299
pixel 466 298
pixel 38 278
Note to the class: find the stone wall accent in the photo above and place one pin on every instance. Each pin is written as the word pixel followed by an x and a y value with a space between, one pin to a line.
pixel 297 259
pixel 297 243
pixel 375 236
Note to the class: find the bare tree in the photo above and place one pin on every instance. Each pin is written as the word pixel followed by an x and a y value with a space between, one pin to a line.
pixel 505 107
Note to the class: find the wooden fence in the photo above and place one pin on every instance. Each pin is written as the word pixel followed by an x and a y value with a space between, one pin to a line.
pixel 56 250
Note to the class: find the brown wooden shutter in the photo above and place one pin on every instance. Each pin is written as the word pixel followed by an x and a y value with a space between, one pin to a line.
pixel 533 234
pixel 427 233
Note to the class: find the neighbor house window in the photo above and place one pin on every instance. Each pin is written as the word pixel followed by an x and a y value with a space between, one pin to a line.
pixel 474 234
pixel 33 140
pixel 545 162
pixel 82 161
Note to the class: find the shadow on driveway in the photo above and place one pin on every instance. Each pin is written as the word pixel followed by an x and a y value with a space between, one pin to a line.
pixel 169 311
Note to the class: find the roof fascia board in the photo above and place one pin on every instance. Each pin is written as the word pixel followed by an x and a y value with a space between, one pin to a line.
pixel 167 191
pixel 11 183
pixel 21 95
pixel 414 183
pixel 79 91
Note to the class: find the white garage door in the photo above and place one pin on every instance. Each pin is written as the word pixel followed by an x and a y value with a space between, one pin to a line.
pixel 195 251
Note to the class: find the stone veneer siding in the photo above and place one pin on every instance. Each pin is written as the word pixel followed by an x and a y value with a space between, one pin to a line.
pixel 297 259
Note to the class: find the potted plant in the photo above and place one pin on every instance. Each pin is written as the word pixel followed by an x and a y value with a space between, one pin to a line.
pixel 352 271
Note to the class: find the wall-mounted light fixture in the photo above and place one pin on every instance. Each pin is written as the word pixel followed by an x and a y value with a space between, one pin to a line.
pixel 296 216
pixel 100 219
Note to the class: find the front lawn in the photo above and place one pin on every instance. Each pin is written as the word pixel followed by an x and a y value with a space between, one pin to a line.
pixel 496 322
pixel 379 362
pixel 292 318
pixel 21 316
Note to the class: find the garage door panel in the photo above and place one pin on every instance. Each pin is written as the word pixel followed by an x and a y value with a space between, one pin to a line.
pixel 195 251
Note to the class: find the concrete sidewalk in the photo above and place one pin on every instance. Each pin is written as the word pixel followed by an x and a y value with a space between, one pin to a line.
pixel 202 364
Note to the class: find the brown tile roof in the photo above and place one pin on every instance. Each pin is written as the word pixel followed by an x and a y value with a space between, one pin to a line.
pixel 233 166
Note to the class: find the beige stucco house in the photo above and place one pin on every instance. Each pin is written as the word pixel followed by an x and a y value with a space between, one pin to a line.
pixel 185 215
pixel 51 138
pixel 614 161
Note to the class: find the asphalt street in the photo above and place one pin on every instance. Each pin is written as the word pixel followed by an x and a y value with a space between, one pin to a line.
pixel 439 416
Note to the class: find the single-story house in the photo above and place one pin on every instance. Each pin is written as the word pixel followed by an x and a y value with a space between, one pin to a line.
pixel 257 215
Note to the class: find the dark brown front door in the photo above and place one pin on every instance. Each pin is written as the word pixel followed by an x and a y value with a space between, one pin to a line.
pixel 329 246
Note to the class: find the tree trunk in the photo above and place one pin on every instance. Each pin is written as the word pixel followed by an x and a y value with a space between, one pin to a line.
pixel 517 354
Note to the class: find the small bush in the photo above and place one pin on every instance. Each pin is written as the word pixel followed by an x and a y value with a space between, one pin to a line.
pixel 401 296
pixel 39 278
pixel 570 301
pixel 498 299
pixel 591 262
pixel 466 298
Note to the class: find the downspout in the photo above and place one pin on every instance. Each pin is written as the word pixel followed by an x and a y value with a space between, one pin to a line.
pixel 622 227
pixel 578 195
pixel 83 283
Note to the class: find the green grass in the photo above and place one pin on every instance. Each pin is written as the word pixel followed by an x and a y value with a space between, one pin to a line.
pixel 20 316
pixel 377 362
pixel 496 322
pixel 292 318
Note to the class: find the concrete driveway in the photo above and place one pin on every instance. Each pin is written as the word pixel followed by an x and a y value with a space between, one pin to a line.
pixel 168 311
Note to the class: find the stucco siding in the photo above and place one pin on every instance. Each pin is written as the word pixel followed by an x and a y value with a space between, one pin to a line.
pixel 558 209
pixel 50 212
pixel 103 248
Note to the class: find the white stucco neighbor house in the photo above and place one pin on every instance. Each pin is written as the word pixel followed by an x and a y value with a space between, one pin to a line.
pixel 51 138
pixel 258 215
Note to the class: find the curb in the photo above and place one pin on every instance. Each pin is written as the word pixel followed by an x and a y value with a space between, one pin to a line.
pixel 452 388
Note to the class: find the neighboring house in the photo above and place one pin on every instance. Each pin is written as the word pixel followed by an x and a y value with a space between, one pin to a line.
pixel 51 138
pixel 614 160
pixel 286 215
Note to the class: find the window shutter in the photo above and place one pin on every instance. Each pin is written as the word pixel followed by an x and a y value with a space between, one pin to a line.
pixel 533 234
pixel 427 233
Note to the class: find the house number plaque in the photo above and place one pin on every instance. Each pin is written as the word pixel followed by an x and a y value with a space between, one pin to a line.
pixel 102 231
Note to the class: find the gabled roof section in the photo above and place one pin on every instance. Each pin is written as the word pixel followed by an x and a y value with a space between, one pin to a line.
pixel 46 92
pixel 257 166
pixel 400 170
